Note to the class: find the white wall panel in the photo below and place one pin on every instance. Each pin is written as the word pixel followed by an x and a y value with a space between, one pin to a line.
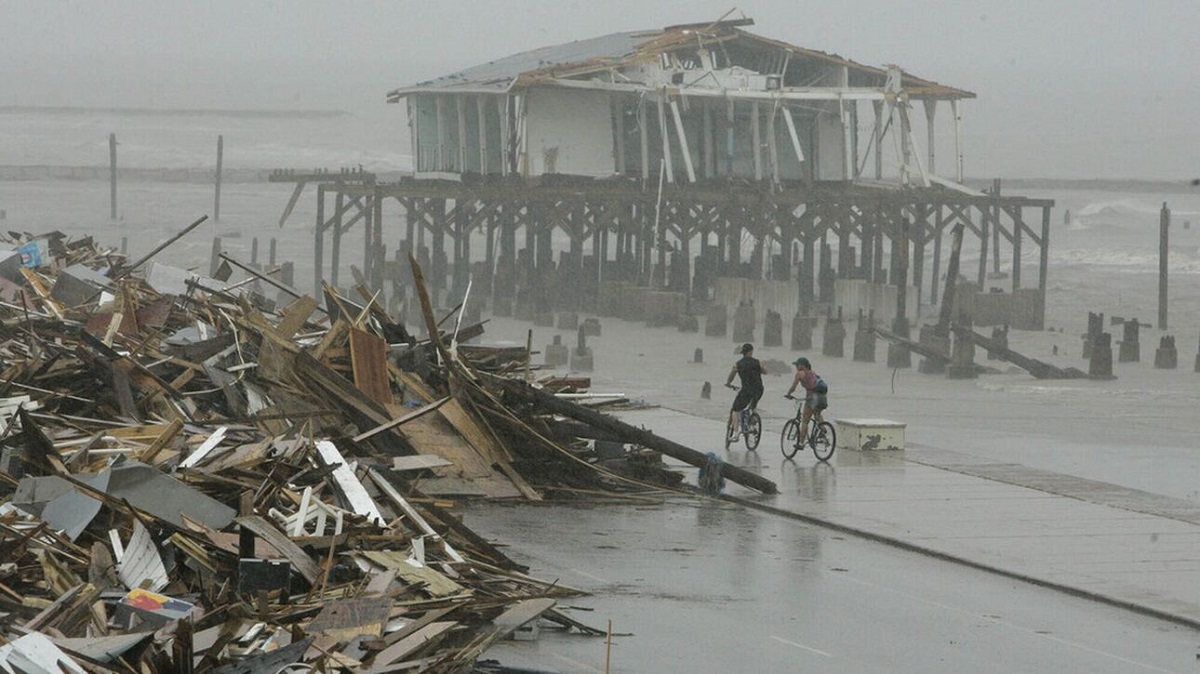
pixel 570 131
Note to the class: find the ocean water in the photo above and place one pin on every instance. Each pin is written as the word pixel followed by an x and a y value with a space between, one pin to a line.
pixel 1104 248
pixel 376 141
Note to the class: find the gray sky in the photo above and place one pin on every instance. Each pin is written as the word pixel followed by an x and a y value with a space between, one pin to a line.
pixel 1082 89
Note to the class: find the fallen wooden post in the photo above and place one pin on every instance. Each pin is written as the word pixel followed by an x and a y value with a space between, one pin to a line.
pixel 1037 368
pixel 632 434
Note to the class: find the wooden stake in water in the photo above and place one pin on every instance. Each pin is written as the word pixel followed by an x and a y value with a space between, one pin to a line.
pixel 217 190
pixel 1164 223
pixel 608 647
pixel 112 175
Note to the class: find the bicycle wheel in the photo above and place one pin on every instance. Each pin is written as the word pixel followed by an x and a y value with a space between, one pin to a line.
pixel 824 441
pixel 753 430
pixel 730 434
pixel 789 438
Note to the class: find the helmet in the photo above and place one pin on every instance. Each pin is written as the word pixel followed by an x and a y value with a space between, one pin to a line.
pixel 802 362
pixel 747 348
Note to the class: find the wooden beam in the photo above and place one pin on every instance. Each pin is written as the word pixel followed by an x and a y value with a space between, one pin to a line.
pixel 291 204
pixel 633 434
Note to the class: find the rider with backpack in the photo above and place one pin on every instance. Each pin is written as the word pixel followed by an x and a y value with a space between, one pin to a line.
pixel 815 389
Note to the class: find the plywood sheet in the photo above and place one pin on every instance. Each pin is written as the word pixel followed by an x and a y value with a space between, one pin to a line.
pixel 368 357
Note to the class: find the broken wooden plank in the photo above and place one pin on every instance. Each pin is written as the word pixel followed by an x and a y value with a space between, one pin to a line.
pixel 347 483
pixel 203 450
pixel 413 572
pixel 418 462
pixel 400 420
pixel 347 618
pixel 148 455
pixel 391 492
pixel 506 623
pixel 368 358
pixel 300 560
pixel 409 645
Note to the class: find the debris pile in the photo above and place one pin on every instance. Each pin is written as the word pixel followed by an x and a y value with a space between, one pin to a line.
pixel 196 481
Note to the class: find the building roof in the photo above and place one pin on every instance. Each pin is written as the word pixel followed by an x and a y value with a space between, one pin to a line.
pixel 601 57
pixel 499 75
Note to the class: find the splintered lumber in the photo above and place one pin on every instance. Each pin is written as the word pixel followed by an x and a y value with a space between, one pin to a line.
pixel 1037 368
pixel 284 545
pixel 633 434
pixel 161 441
pixel 295 315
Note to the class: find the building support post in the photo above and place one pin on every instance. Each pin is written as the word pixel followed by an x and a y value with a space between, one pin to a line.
pixel 985 215
pixel 937 254
pixel 1018 224
pixel 335 252
pixel 930 111
pixel 319 242
pixel 958 151
pixel 878 106
pixel 1044 254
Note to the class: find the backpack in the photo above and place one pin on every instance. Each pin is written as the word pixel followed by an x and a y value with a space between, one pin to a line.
pixel 820 386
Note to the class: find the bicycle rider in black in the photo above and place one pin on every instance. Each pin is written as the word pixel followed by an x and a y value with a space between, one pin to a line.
pixel 750 370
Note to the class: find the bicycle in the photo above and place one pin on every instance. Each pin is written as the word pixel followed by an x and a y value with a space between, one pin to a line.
pixel 750 428
pixel 821 435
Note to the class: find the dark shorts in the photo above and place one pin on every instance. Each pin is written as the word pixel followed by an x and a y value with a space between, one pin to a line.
pixel 816 401
pixel 746 399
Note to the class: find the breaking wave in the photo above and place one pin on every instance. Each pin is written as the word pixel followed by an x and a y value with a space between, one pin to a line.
pixel 1121 214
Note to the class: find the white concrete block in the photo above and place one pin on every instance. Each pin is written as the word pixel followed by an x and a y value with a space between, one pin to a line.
pixel 870 434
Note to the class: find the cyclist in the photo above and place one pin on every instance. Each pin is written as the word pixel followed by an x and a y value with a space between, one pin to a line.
pixel 815 389
pixel 750 370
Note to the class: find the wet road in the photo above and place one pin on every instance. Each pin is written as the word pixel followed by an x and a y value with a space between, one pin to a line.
pixel 704 586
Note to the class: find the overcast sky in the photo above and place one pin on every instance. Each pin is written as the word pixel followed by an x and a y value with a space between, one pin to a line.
pixel 1089 88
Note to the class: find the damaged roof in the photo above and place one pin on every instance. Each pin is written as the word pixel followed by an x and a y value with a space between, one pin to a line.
pixel 601 58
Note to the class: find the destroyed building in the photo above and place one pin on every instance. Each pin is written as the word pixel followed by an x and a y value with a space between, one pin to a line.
pixel 678 168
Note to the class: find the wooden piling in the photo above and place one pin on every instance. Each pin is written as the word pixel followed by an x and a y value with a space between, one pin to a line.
pixel 1164 224
pixel 217 181
pixel 112 175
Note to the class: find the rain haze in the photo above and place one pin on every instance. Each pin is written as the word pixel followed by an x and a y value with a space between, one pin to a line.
pixel 1041 513
pixel 1065 89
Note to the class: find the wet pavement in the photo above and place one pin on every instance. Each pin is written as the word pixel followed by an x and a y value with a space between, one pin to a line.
pixel 701 585
pixel 1118 545
pixel 1084 486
